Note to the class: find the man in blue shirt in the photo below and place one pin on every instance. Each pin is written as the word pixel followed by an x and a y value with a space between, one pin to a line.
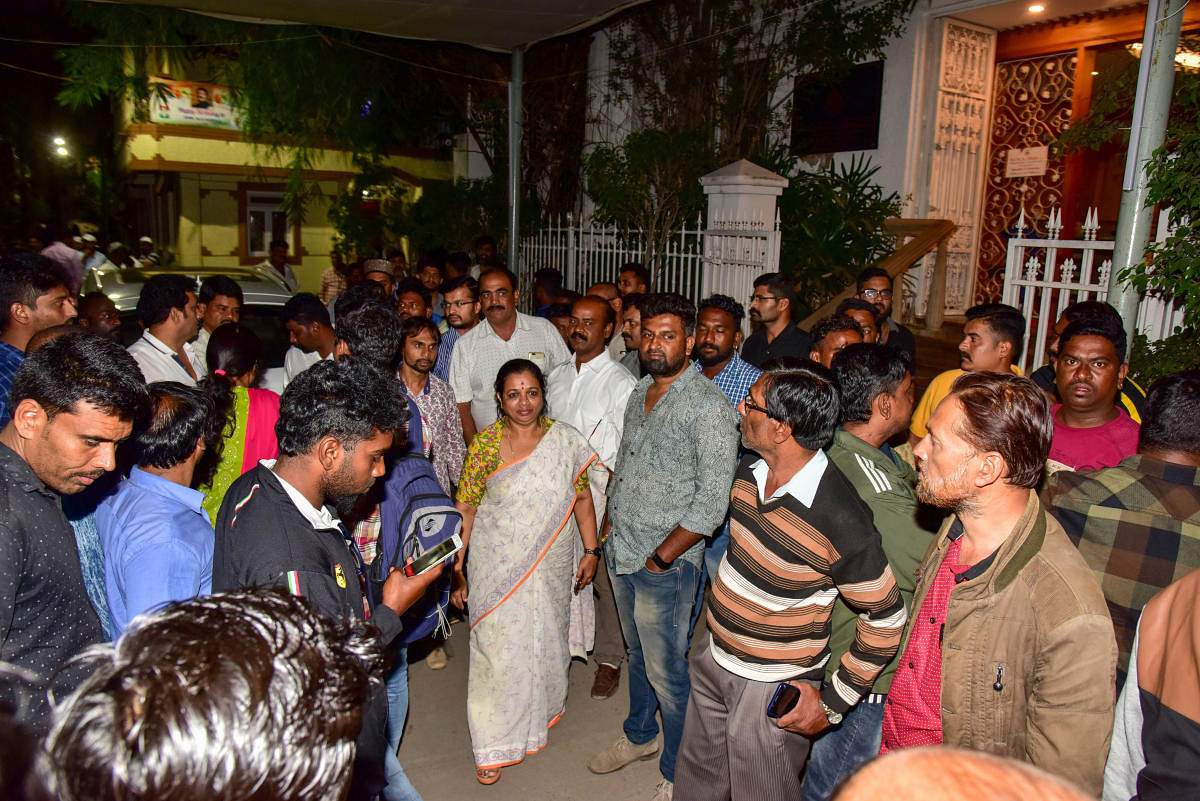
pixel 157 540
pixel 33 296
pixel 718 336
pixel 460 298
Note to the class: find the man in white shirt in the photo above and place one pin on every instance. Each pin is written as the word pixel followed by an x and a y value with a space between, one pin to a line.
pixel 307 322
pixel 506 334
pixel 167 308
pixel 589 393
pixel 219 302
pixel 277 263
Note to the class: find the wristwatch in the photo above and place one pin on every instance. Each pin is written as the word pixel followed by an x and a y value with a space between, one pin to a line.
pixel 834 718
pixel 658 561
pixel 592 552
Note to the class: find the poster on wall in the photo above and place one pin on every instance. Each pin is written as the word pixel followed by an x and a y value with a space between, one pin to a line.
pixel 189 103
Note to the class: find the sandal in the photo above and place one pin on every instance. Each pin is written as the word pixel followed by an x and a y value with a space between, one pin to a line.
pixel 487 775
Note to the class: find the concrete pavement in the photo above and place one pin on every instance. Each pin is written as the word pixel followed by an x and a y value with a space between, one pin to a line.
pixel 436 749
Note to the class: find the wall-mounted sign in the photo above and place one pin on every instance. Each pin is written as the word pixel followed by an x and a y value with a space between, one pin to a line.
pixel 188 103
pixel 1027 162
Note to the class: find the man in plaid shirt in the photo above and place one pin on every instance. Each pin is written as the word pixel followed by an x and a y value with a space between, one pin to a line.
pixel 1137 525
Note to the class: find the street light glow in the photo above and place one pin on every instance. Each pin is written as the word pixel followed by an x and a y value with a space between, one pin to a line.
pixel 58 140
pixel 62 151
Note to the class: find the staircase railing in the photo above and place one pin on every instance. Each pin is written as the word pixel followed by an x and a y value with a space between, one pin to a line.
pixel 922 236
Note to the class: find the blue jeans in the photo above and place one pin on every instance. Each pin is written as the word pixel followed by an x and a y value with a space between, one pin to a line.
pixel 839 751
pixel 655 609
pixel 399 788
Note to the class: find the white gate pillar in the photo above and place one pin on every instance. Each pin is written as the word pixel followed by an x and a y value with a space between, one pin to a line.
pixel 741 237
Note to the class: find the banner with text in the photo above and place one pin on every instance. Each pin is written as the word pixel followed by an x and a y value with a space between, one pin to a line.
pixel 188 103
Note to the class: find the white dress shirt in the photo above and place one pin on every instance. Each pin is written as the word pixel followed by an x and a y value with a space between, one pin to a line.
pixel 480 353
pixel 288 275
pixel 296 361
pixel 159 363
pixel 592 400
pixel 200 347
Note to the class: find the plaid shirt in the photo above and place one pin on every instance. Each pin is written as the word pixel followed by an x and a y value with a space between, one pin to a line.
pixel 735 380
pixel 1137 526
pixel 10 361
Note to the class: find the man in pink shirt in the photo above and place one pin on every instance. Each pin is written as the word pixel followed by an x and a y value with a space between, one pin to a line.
pixel 1091 432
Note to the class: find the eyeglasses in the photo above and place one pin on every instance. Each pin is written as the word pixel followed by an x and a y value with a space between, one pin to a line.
pixel 876 294
pixel 458 304
pixel 752 406
pixel 763 298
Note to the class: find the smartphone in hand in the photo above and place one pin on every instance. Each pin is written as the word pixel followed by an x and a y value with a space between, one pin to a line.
pixel 783 700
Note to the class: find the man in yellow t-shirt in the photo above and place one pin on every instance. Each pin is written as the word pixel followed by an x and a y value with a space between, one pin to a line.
pixel 993 339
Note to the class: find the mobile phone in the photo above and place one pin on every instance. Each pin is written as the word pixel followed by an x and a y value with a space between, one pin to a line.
pixel 783 700
pixel 434 556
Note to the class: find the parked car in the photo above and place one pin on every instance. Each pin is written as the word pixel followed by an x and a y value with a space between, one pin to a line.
pixel 264 295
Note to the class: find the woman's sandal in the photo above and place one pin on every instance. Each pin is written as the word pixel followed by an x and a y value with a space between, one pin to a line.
pixel 487 775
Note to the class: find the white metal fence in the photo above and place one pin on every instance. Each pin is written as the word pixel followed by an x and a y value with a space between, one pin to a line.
pixel 1044 276
pixel 725 257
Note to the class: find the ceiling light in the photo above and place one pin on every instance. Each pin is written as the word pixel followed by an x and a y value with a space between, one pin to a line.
pixel 62 151
pixel 1094 72
pixel 1036 8
pixel 58 140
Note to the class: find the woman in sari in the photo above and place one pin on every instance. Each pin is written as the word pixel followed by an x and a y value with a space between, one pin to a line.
pixel 530 527
pixel 234 355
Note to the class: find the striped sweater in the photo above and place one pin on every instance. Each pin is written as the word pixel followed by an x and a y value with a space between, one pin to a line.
pixel 787 563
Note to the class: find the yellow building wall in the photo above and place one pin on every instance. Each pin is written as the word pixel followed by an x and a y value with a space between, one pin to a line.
pixel 211 165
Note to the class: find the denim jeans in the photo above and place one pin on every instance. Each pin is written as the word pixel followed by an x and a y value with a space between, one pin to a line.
pixel 655 609
pixel 714 552
pixel 839 751
pixel 399 788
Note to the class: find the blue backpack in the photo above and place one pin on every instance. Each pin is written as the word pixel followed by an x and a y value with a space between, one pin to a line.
pixel 414 515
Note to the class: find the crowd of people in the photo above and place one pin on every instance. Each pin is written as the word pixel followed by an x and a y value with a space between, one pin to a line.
pixel 209 590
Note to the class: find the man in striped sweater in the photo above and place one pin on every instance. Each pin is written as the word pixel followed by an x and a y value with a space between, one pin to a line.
pixel 800 538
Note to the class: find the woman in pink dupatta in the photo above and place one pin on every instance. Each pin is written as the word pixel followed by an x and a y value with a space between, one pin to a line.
pixel 234 354
pixel 530 527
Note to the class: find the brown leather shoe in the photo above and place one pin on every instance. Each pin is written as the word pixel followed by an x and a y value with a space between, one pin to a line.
pixel 607 680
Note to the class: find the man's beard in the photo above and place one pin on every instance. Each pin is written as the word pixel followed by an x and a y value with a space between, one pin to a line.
pixel 950 492
pixel 660 365
pixel 716 358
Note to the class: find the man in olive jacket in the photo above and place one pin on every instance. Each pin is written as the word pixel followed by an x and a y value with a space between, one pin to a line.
pixel 1011 650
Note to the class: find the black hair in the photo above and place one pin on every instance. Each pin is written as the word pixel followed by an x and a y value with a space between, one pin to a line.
pixel 453 284
pixel 25 277
pixel 1092 309
pixel 349 400
pixel 548 278
pixel 726 304
pixel 415 325
pixel 657 303
pixel 864 371
pixel 461 260
pixel 179 416
pixel 219 285
pixel 804 397
pixel 434 258
pixel 484 239
pixel 356 296
pixel 866 275
pixel 233 350
pixel 1005 322
pixel 857 304
pixel 638 269
pixel 1172 409
pixel 780 286
pixel 81 368
pixel 162 293
pixel 372 332
pixel 610 314
pixel 278 243
pixel 831 325
pixel 410 284
pixel 512 277
pixel 249 694
pixel 561 310
pixel 513 367
pixel 633 300
pixel 305 308
pixel 1114 332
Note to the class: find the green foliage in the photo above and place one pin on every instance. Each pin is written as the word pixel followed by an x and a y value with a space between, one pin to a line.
pixel 1149 361
pixel 450 214
pixel 368 215
pixel 832 227
pixel 651 181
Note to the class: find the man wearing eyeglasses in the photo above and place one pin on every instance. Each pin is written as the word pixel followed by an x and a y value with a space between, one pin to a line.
pixel 875 287
pixel 776 334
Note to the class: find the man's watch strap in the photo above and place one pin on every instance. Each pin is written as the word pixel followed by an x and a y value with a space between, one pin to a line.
pixel 833 717
pixel 658 561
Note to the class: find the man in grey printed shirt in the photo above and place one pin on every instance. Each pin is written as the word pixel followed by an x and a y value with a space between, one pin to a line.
pixel 671 486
